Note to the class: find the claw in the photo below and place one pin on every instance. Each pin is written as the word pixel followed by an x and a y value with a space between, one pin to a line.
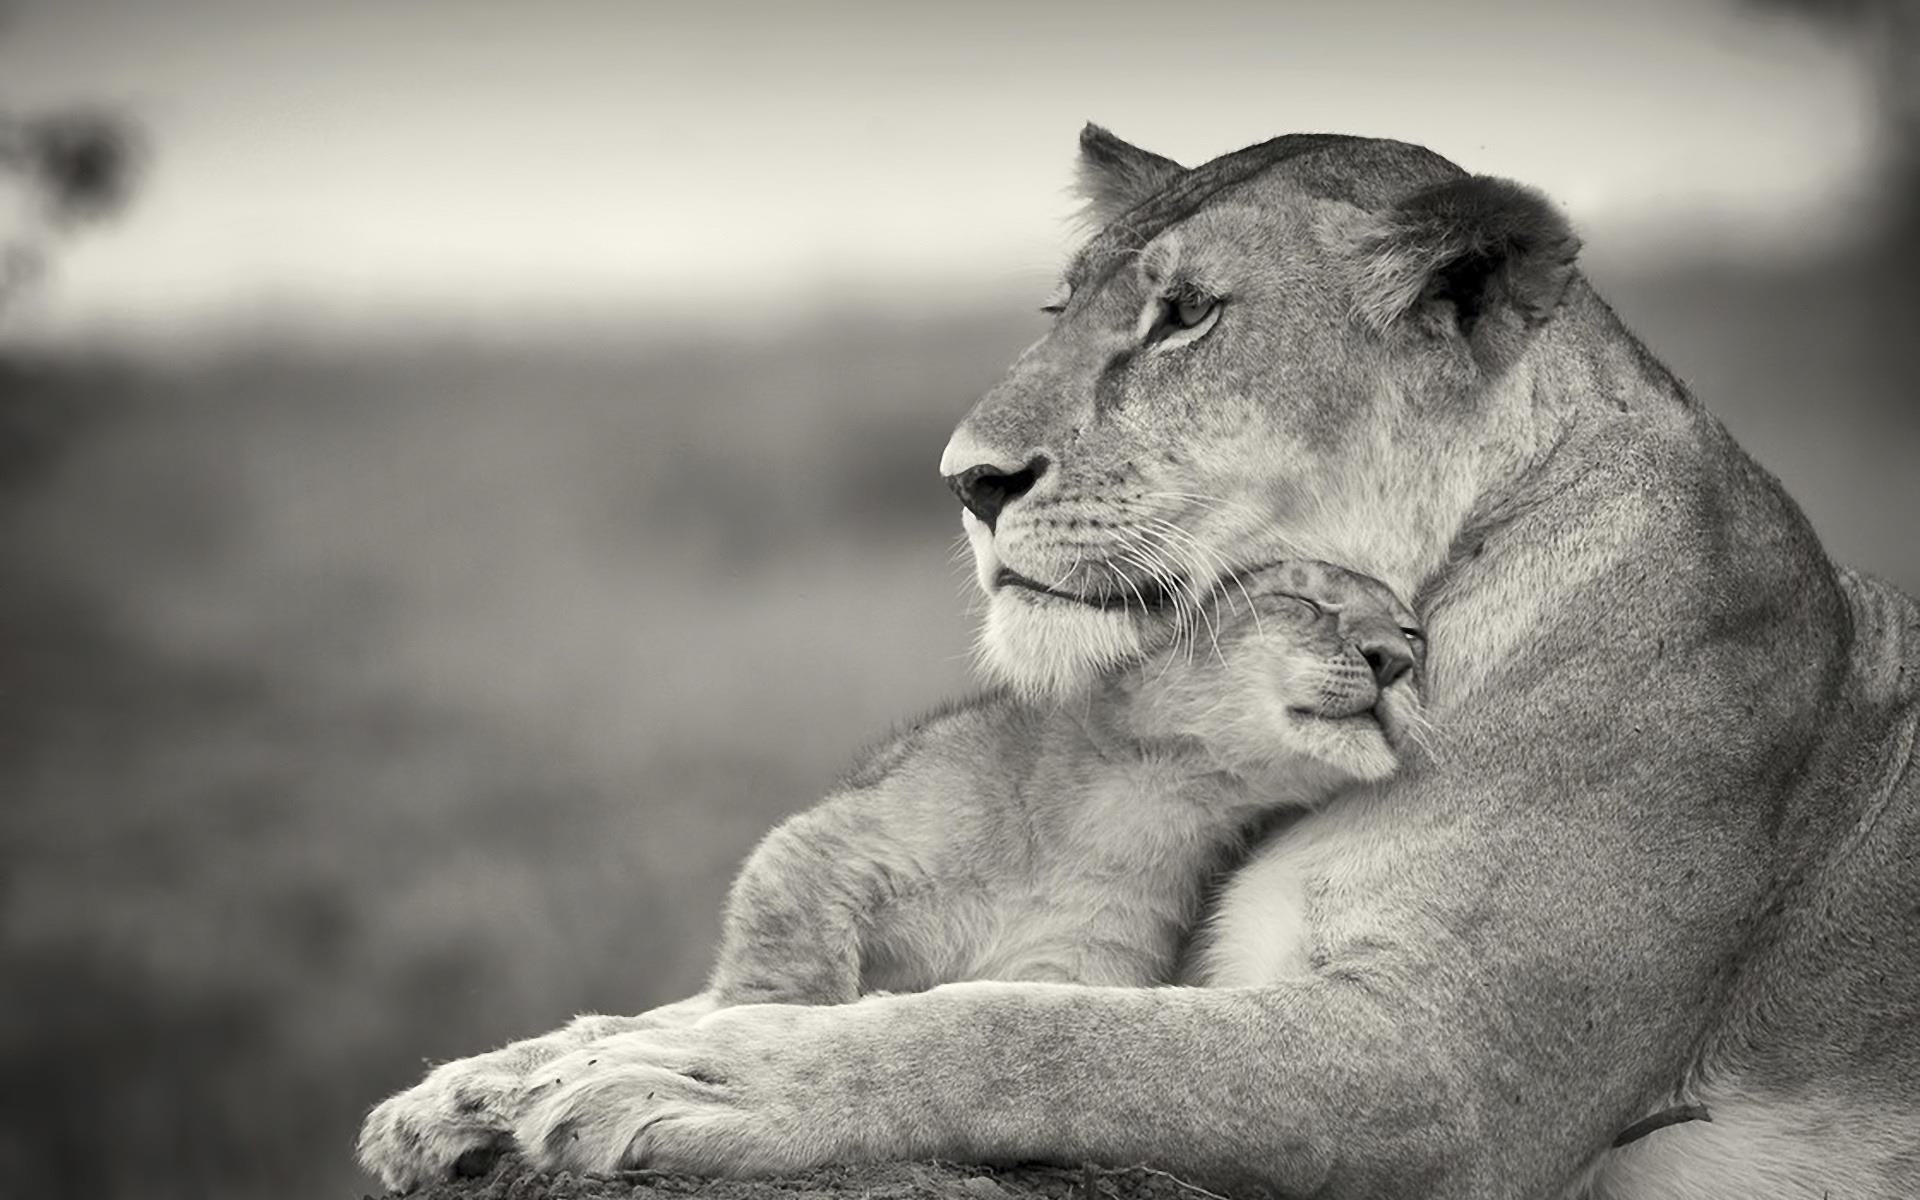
pixel 480 1160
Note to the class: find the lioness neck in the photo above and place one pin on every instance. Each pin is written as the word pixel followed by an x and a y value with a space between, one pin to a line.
pixel 1635 495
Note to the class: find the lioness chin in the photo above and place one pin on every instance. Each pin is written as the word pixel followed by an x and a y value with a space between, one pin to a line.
pixel 1666 859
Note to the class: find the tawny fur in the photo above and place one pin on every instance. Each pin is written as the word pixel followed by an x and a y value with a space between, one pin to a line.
pixel 1115 175
pixel 1072 840
pixel 1667 853
pixel 1067 841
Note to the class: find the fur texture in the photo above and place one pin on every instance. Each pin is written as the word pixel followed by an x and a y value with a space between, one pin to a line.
pixel 1115 175
pixel 1667 853
pixel 1068 842
pixel 1489 257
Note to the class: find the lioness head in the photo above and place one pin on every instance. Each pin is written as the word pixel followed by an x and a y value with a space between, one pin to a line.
pixel 1318 347
pixel 1296 663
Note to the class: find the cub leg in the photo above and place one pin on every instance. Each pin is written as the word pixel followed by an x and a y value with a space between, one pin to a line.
pixel 807 909
pixel 797 914
pixel 793 934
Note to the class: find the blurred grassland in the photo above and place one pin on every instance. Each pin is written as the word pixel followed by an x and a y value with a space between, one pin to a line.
pixel 357 710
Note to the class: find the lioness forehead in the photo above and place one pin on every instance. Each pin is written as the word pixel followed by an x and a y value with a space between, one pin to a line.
pixel 1369 173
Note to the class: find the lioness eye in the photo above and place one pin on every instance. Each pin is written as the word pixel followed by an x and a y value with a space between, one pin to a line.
pixel 1179 317
pixel 1191 309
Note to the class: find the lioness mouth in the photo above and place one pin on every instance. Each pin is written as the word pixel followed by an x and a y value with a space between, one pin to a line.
pixel 1150 593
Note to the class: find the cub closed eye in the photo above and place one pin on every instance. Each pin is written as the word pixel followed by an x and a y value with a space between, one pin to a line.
pixel 1311 607
pixel 1057 302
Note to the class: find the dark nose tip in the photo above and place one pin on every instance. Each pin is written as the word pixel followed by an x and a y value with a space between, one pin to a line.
pixel 1388 656
pixel 986 490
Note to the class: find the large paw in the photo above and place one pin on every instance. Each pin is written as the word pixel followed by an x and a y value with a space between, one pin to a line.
pixel 458 1120
pixel 746 1091
pixel 453 1122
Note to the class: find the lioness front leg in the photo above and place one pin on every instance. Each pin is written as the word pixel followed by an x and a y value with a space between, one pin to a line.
pixel 462 1114
pixel 1304 1087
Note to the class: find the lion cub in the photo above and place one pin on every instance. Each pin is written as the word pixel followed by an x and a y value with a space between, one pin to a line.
pixel 1012 841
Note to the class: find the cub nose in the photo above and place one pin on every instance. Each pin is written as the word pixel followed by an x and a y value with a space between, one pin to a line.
pixel 986 489
pixel 1388 656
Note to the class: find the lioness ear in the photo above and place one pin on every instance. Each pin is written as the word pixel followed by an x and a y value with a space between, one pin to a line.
pixel 1115 175
pixel 1484 259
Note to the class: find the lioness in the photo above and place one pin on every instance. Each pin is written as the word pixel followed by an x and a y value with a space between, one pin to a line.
pixel 1668 858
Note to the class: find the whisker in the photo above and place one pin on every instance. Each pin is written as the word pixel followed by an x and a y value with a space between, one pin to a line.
pixel 1127 580
pixel 1170 578
pixel 1223 568
pixel 1178 618
pixel 1166 534
pixel 1286 545
pixel 1161 572
pixel 1424 733
pixel 1066 579
pixel 1122 576
pixel 1193 555
pixel 1218 502
pixel 1173 578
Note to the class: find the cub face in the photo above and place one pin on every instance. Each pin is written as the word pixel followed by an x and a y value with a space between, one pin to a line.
pixel 1280 354
pixel 1298 662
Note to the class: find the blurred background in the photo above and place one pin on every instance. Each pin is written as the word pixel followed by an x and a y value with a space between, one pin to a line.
pixel 467 468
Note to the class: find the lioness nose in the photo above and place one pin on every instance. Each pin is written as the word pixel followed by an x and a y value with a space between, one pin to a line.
pixel 986 489
pixel 1388 656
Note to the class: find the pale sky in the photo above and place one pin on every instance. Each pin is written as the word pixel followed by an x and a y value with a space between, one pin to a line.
pixel 363 161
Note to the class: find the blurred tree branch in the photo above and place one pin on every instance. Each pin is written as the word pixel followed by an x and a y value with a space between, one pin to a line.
pixel 59 172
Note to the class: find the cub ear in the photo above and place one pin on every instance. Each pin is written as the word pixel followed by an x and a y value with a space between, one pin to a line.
pixel 1115 175
pixel 1480 258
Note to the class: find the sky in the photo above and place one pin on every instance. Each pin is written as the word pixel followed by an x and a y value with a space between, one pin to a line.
pixel 364 163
